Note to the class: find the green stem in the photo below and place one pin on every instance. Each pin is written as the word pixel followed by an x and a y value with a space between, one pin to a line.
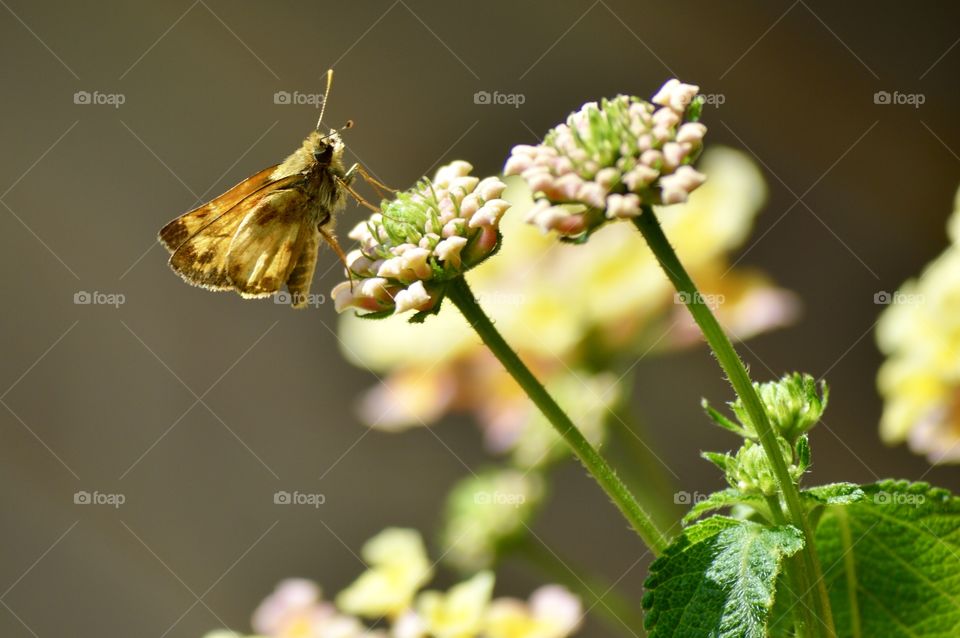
pixel 736 372
pixel 619 612
pixel 460 294
pixel 802 615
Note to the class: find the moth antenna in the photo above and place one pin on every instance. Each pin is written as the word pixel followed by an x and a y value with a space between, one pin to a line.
pixel 348 124
pixel 326 94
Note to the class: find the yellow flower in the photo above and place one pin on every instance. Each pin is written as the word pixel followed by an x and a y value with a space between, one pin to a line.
pixel 920 380
pixel 460 612
pixel 398 568
pixel 553 612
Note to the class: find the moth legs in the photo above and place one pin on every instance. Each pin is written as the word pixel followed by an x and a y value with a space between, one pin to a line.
pixel 345 183
pixel 335 246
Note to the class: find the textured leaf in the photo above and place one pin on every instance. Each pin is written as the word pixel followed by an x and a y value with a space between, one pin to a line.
pixel 717 580
pixel 835 493
pixel 892 562
pixel 720 500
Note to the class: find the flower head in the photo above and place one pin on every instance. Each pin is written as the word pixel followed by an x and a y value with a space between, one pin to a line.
pixel 611 158
pixel 422 238
pixel 398 568
pixel 458 613
pixel 794 404
pixel 919 332
pixel 294 607
pixel 552 612
pixel 570 310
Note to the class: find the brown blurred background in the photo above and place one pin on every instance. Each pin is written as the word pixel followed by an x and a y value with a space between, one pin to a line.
pixel 100 397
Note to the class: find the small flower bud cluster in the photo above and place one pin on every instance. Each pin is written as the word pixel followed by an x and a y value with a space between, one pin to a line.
pixel 425 236
pixel 794 404
pixel 608 159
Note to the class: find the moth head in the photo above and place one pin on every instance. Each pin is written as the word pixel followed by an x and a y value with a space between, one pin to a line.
pixel 327 148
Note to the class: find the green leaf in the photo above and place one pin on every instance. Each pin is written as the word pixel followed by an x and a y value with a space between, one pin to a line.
pixel 835 493
pixel 717 579
pixel 720 500
pixel 718 417
pixel 892 562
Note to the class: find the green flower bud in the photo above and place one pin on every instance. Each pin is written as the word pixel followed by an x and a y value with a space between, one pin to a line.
pixel 794 404
pixel 750 470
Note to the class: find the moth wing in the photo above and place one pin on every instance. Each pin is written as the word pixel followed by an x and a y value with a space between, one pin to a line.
pixel 301 277
pixel 268 243
pixel 175 233
pixel 203 258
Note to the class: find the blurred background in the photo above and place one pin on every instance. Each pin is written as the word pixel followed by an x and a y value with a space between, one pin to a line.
pixel 198 407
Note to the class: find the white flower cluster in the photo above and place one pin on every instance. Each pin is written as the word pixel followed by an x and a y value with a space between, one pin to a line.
pixel 427 235
pixel 608 159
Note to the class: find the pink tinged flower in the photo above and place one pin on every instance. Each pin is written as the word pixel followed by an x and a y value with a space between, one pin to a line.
pixel 409 625
pixel 674 154
pixel 449 249
pixel 470 205
pixel 295 602
pixel 678 186
pixel 414 297
pixel 557 605
pixel 691 133
pixel 640 177
pixel 676 95
pixel 623 206
pixel 408 398
pixel 517 164
pixel 489 214
pixel 432 232
pixel 538 178
pixel 566 187
pixel 490 188
pixel 371 294
pixel 593 194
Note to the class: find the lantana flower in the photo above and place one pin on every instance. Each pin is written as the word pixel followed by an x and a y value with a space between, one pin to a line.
pixel 919 331
pixel 399 567
pixel 458 613
pixel 422 238
pixel 296 608
pixel 610 158
pixel 551 612
pixel 569 310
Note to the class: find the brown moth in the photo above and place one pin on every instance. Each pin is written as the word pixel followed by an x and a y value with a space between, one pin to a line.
pixel 265 232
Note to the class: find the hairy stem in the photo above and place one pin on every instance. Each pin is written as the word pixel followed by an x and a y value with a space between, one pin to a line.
pixel 461 295
pixel 811 573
